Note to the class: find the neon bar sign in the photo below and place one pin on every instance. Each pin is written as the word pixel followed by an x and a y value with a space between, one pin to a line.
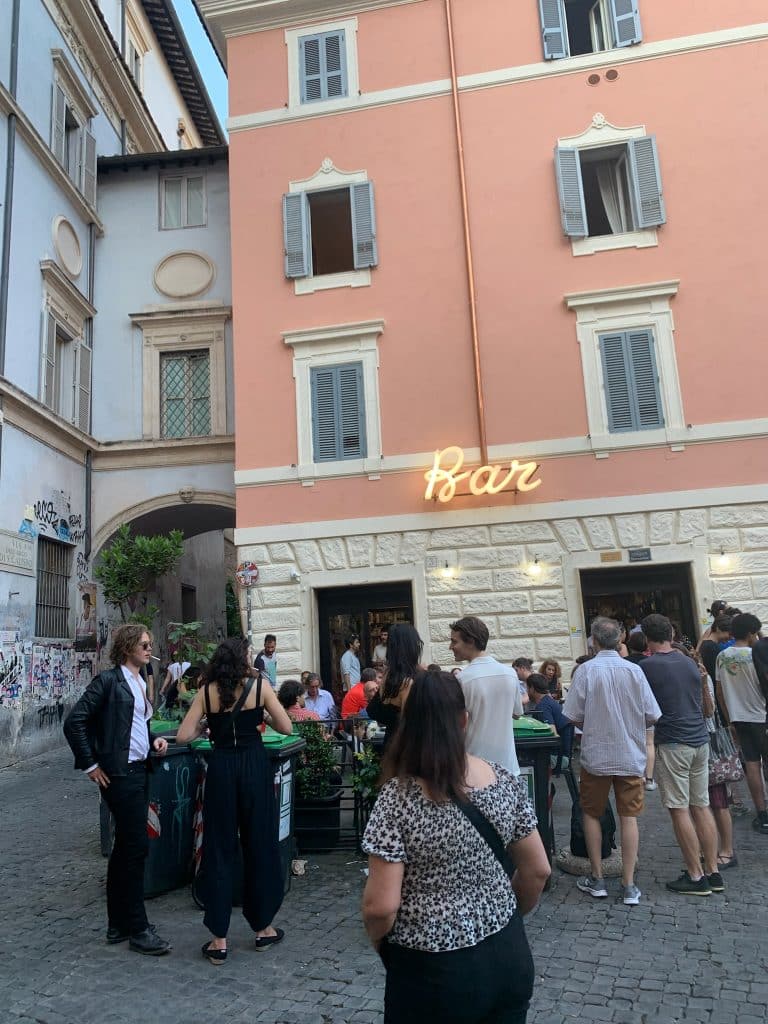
pixel 447 471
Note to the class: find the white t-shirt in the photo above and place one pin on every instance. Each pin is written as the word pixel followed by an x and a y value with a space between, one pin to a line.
pixel 350 666
pixel 492 693
pixel 741 690
pixel 380 653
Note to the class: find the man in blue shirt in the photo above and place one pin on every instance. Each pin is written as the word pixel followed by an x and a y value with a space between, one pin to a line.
pixel 549 710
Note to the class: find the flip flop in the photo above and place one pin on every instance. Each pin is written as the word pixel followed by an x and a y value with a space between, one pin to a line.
pixel 217 957
pixel 731 862
pixel 265 941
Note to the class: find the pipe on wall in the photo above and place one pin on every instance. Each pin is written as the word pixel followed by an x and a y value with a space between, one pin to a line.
pixel 10 164
pixel 479 397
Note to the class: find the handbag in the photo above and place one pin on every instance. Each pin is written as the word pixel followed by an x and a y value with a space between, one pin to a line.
pixel 724 761
pixel 489 834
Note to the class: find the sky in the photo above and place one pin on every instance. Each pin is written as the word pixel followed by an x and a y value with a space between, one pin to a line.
pixel 210 69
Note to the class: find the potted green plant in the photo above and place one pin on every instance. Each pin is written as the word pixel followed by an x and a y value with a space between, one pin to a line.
pixel 318 791
pixel 366 780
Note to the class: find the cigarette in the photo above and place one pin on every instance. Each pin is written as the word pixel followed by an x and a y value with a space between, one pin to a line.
pixel 154 658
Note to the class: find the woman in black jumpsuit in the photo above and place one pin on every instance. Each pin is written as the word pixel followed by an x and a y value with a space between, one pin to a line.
pixel 239 796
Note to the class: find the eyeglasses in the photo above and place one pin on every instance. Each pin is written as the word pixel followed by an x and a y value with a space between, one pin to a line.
pixel 146 646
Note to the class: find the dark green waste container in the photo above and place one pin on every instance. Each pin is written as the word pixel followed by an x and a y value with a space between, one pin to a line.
pixel 283 752
pixel 535 744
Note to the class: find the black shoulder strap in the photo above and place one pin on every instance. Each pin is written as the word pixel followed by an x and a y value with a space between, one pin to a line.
pixel 242 699
pixel 258 691
pixel 488 832
pixel 207 698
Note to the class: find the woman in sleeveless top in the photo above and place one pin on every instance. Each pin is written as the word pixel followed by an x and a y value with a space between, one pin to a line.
pixel 404 649
pixel 239 794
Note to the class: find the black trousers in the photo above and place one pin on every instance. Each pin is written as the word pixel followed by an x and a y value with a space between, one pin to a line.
pixel 240 797
pixel 490 983
pixel 127 796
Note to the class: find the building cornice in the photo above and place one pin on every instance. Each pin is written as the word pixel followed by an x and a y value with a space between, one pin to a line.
pixel 31 417
pixel 47 160
pixel 227 18
pixel 206 314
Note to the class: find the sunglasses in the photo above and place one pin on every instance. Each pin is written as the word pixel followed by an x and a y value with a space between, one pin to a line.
pixel 146 646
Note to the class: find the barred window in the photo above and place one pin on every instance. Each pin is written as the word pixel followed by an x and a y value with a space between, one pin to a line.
pixel 186 393
pixel 54 567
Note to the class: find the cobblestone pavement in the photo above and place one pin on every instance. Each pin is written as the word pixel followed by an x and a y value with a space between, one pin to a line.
pixel 670 959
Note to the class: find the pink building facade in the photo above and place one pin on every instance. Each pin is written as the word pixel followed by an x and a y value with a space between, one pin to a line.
pixel 524 235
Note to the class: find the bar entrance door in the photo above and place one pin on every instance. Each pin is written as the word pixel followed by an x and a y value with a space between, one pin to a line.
pixel 364 611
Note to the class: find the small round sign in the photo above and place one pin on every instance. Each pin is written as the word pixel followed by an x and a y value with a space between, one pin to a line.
pixel 247 574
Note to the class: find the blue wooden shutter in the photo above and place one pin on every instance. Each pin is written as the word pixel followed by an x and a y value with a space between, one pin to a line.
pixel 363 225
pixel 633 399
pixel 554 30
pixel 58 119
pixel 89 169
pixel 325 414
pixel 323 66
pixel 571 192
pixel 335 56
pixel 338 412
pixel 310 68
pixel 352 412
pixel 626 22
pixel 616 380
pixel 296 236
pixel 647 196
pixel 645 379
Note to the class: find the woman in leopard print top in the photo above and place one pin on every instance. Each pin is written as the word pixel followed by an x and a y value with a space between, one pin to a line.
pixel 438 904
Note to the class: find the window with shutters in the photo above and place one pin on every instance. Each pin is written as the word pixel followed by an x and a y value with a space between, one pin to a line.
pixel 182 201
pixel 631 383
pixel 72 141
pixel 54 570
pixel 185 393
pixel 338 412
pixel 609 188
pixel 322 66
pixel 338 423
pixel 329 233
pixel 573 27
pixel 66 354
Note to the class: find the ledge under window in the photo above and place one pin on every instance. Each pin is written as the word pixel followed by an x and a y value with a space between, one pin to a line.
pixel 645 238
pixel 349 279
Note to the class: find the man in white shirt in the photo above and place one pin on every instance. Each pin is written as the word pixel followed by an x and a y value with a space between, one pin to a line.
pixel 380 650
pixel 492 694
pixel 350 663
pixel 318 700
pixel 108 731
pixel 611 701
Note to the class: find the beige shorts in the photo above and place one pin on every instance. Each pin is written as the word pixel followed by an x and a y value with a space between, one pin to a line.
pixel 682 773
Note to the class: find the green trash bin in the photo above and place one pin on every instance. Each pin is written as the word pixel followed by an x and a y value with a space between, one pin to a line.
pixel 283 752
pixel 535 744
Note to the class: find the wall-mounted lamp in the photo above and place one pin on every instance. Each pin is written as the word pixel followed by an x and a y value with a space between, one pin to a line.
pixel 295 575
pixel 447 572
pixel 723 560
pixel 535 569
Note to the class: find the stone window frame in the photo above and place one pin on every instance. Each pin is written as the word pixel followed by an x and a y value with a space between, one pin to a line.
pixel 292 36
pixel 625 309
pixel 182 330
pixel 64 304
pixel 332 346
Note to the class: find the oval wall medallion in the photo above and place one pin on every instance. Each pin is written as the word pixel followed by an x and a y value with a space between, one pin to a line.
pixel 183 275
pixel 67 246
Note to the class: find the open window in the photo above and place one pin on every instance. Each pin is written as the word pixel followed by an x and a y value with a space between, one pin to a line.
pixel 610 190
pixel 72 141
pixel 329 231
pixel 573 27
pixel 66 354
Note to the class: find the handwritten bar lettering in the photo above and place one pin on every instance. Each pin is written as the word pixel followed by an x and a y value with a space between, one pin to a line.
pixel 448 471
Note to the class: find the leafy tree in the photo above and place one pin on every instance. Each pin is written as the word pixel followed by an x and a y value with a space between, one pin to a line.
pixel 130 564
pixel 234 627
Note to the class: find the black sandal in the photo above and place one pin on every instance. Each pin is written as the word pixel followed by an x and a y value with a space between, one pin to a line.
pixel 265 941
pixel 217 957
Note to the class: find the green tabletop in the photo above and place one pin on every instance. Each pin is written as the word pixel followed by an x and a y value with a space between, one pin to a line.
pixel 527 726
pixel 274 742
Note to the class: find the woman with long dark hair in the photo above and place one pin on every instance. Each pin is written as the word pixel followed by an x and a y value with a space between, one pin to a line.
pixel 404 648
pixel 239 793
pixel 440 904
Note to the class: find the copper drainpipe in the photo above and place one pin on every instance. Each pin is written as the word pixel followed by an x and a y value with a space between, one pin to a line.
pixel 467 239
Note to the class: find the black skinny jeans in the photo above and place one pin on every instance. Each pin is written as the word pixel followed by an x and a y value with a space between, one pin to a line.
pixel 127 796
pixel 490 983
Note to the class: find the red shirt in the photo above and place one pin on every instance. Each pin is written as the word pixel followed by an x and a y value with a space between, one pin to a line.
pixel 354 701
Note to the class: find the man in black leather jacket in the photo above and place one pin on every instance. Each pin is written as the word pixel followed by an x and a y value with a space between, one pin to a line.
pixel 108 731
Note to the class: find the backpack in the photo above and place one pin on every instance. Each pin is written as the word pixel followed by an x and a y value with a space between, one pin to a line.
pixel 607 825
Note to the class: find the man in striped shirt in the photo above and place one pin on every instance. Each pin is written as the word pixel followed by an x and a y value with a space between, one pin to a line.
pixel 611 701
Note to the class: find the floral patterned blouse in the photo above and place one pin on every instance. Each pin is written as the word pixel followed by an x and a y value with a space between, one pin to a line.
pixel 455 892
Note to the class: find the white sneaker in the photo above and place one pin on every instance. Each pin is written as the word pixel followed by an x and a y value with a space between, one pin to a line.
pixel 631 895
pixel 650 785
pixel 594 886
